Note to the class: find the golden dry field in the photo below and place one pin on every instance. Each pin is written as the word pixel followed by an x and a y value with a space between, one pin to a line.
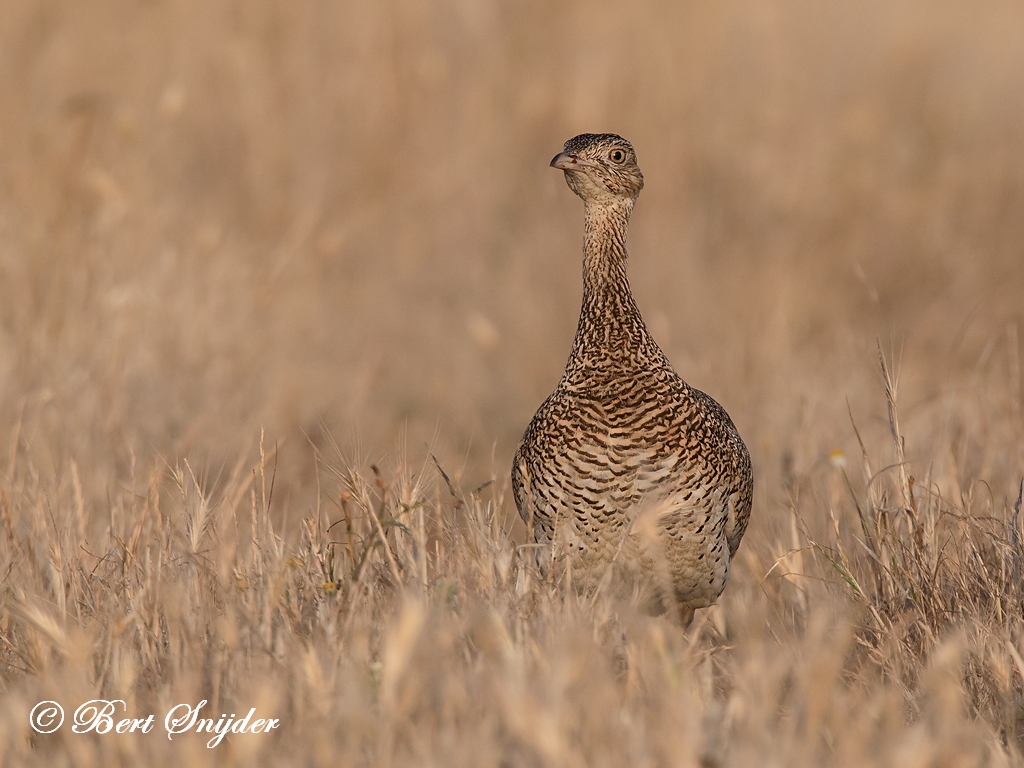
pixel 282 283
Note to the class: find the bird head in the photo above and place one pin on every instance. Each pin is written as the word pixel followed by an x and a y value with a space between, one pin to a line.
pixel 600 167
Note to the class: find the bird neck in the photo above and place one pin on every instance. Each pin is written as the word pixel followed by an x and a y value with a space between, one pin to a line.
pixel 610 327
pixel 604 253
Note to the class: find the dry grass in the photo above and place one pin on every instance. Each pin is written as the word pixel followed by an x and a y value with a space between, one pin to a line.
pixel 232 234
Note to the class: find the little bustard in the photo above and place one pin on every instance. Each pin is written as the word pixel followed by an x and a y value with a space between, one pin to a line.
pixel 626 468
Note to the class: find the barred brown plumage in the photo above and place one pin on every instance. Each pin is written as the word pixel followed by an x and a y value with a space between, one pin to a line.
pixel 626 468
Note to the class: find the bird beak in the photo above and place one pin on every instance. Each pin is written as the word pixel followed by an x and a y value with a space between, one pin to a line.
pixel 563 161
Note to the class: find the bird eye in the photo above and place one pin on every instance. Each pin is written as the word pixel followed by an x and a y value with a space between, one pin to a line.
pixel 617 155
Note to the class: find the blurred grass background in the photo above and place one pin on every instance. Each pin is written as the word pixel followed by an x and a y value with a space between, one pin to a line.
pixel 336 222
pixel 216 216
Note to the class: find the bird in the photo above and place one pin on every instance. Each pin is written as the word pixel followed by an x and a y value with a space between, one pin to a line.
pixel 626 470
